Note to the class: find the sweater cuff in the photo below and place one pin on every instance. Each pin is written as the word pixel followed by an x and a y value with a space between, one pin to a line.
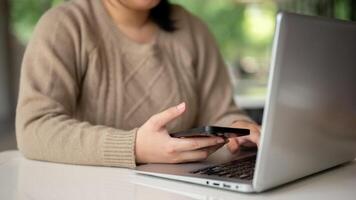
pixel 118 148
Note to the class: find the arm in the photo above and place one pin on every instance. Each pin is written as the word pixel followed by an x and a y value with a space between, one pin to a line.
pixel 50 85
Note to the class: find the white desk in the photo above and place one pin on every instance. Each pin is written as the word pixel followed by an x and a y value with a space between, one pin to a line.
pixel 24 179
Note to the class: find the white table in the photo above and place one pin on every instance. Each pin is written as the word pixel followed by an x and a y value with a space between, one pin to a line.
pixel 25 179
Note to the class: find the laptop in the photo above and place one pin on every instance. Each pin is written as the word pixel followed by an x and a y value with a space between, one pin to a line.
pixel 309 123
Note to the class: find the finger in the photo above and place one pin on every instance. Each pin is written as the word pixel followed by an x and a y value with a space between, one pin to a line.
pixel 253 137
pixel 233 145
pixel 192 156
pixel 189 144
pixel 161 119
pixel 251 140
pixel 212 149
pixel 254 132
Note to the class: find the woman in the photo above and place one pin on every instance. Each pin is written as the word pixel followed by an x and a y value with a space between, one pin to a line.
pixel 100 81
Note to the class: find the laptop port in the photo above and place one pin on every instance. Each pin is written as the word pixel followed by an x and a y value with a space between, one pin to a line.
pixel 226 185
pixel 216 184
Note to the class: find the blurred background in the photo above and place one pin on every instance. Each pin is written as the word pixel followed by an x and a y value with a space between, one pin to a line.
pixel 243 28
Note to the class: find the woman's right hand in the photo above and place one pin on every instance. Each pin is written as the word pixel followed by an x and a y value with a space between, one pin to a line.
pixel 154 145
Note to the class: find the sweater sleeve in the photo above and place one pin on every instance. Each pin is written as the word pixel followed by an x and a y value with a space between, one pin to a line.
pixel 216 105
pixel 46 128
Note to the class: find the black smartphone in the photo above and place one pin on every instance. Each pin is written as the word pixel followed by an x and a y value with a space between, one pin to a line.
pixel 208 131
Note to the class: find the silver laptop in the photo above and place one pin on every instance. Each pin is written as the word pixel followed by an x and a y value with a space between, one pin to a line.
pixel 309 124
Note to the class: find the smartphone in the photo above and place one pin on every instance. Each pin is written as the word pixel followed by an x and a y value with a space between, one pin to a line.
pixel 209 131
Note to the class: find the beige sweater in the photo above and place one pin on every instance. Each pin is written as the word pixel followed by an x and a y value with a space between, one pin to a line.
pixel 85 87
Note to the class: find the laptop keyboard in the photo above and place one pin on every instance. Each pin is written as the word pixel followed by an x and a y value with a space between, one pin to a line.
pixel 240 169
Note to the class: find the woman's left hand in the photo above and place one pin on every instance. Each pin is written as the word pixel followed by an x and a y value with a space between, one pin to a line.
pixel 248 140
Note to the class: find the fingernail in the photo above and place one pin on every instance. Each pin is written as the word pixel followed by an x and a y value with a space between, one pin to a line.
pixel 181 106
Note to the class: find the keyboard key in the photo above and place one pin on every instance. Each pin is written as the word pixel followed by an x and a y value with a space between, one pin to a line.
pixel 242 169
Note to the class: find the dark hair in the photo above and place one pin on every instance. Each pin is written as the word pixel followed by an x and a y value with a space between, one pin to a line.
pixel 161 15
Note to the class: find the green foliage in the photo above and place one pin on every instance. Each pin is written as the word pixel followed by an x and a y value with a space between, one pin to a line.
pixel 223 18
pixel 238 32
pixel 26 13
pixel 342 9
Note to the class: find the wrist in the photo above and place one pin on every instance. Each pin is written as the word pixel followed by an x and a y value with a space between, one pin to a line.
pixel 137 151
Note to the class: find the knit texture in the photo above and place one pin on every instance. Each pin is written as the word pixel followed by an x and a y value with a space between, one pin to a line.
pixel 86 87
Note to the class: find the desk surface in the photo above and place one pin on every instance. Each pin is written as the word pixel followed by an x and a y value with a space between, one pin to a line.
pixel 25 179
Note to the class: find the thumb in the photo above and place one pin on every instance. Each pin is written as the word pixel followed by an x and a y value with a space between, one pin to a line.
pixel 161 119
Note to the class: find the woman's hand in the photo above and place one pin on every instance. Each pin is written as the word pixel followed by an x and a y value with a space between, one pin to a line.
pixel 248 140
pixel 154 145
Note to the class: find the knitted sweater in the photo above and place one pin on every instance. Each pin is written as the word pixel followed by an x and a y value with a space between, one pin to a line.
pixel 85 87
